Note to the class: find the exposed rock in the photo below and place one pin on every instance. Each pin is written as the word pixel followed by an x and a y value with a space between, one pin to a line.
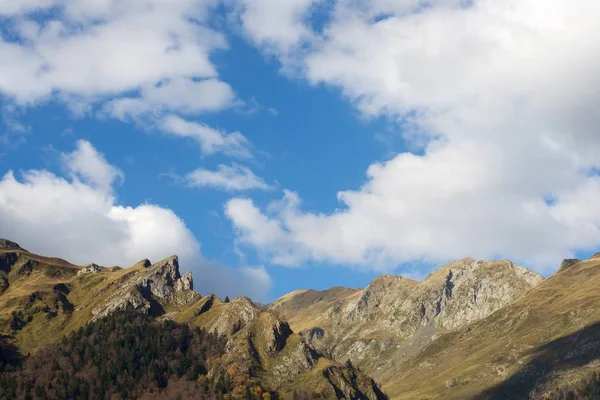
pixel 299 359
pixel 568 262
pixel 260 347
pixel 146 290
pixel 6 244
pixel 7 260
pixel 205 305
pixel 314 334
pixel 185 283
pixel 26 268
pixel 348 384
pixel 275 333
pixel 90 269
pixel 129 300
pixel 239 312
pixel 399 316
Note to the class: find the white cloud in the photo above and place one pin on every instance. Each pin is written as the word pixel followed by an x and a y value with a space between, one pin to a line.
pixel 80 220
pixel 500 97
pixel 211 141
pixel 90 165
pixel 276 25
pixel 106 48
pixel 11 8
pixel 253 282
pixel 230 178
pixel 184 95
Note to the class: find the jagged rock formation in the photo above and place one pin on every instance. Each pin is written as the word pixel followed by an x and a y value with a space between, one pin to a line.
pixel 394 318
pixel 42 299
pixel 150 289
pixel 470 330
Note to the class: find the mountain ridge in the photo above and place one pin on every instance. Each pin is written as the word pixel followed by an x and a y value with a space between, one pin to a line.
pixel 44 299
pixel 470 330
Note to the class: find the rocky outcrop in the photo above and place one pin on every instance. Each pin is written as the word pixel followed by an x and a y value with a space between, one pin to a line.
pixel 149 289
pixel 7 260
pixel 296 360
pixel 164 282
pixel 235 316
pixel 6 244
pixel 90 269
pixel 205 304
pixel 398 316
pixel 275 333
pixel 348 383
pixel 260 348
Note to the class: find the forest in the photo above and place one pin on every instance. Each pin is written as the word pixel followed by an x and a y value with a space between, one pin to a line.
pixel 123 356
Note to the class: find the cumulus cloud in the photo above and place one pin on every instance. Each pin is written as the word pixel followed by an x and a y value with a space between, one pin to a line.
pixel 86 162
pixel 139 61
pixel 499 99
pixel 229 178
pixel 183 95
pixel 211 141
pixel 103 48
pixel 275 25
pixel 78 218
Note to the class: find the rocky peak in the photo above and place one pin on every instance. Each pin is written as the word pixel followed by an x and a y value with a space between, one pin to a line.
pixel 186 282
pixel 160 282
pixel 468 290
pixel 395 315
pixel 164 281
pixel 235 316
pixel 6 244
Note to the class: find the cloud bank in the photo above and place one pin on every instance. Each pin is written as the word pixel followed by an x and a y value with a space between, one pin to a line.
pixel 497 102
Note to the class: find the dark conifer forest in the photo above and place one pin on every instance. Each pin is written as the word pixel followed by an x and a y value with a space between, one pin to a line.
pixel 123 356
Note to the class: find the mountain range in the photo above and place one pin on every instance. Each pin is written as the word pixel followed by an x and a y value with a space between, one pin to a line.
pixel 470 330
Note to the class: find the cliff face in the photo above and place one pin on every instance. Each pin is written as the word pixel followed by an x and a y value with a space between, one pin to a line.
pixel 150 289
pixel 394 317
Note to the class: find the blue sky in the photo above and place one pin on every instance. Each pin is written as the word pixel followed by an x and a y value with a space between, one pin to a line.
pixel 301 144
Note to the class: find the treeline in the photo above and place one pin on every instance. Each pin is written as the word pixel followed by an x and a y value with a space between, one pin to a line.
pixel 126 356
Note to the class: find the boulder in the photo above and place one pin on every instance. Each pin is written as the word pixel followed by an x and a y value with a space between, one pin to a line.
pixel 90 269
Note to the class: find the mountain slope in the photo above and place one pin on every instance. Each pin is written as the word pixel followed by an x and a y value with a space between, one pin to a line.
pixel 43 299
pixel 549 337
pixel 487 330
pixel 393 318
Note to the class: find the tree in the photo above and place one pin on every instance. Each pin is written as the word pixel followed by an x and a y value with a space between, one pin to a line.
pixel 226 299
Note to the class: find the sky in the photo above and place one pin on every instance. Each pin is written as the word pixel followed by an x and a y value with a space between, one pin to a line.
pixel 280 145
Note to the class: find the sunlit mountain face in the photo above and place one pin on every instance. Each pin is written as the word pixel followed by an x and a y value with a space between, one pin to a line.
pixel 323 160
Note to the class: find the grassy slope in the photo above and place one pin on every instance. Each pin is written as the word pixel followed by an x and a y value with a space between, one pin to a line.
pixel 51 316
pixel 303 308
pixel 510 347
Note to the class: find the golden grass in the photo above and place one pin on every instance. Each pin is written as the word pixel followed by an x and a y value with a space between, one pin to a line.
pixel 477 355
